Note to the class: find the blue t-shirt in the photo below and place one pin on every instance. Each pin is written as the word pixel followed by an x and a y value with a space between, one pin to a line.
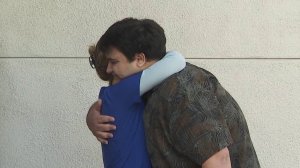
pixel 127 149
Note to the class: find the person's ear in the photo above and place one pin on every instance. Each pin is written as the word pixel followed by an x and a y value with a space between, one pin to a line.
pixel 140 59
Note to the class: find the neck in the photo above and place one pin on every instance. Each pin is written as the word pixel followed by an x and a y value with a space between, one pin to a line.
pixel 149 63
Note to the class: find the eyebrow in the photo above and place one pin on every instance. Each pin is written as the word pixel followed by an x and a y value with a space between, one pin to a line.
pixel 112 60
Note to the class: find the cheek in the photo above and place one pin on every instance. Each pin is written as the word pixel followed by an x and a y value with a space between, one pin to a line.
pixel 119 70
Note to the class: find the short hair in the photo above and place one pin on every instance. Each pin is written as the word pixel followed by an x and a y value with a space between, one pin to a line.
pixel 100 63
pixel 131 36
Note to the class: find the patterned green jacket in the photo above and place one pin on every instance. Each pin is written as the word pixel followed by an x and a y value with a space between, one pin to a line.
pixel 190 117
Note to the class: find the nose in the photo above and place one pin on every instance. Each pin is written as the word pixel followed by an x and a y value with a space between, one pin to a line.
pixel 109 68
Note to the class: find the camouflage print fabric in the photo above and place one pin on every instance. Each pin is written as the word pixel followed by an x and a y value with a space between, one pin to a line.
pixel 190 117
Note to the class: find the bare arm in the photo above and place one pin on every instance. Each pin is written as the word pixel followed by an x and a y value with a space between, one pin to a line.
pixel 220 159
pixel 99 124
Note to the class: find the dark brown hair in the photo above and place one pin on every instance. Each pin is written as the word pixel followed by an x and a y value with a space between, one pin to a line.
pixel 131 36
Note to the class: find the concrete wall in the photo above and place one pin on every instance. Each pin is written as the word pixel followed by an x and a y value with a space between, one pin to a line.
pixel 46 84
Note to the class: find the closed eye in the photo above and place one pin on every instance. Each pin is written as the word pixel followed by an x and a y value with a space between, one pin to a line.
pixel 113 62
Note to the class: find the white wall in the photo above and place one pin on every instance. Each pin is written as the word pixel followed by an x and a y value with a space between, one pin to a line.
pixel 46 84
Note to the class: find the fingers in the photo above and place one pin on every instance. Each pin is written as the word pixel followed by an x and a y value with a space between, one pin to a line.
pixel 105 119
pixel 105 127
pixel 100 125
pixel 96 111
pixel 104 131
pixel 103 137
pixel 103 141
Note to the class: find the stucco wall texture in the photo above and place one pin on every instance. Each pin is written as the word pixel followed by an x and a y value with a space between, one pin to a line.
pixel 47 86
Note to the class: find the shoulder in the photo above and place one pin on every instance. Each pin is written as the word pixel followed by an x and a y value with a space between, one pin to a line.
pixel 191 78
pixel 127 86
pixel 132 80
